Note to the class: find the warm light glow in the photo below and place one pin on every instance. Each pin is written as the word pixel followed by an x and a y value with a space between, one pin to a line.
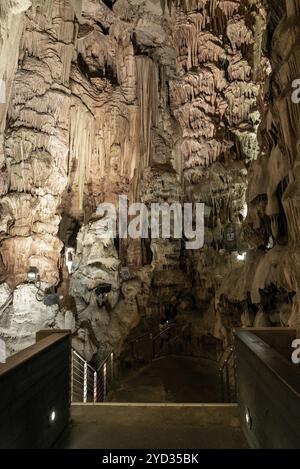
pixel 244 211
pixel 52 416
pixel 33 274
pixel 70 253
pixel 241 256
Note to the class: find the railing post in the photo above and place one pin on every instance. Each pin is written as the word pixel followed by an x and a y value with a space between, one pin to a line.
pixel 95 386
pixel 234 374
pixel 85 370
pixel 221 374
pixel 152 344
pixel 111 366
pixel 104 381
pixel 228 392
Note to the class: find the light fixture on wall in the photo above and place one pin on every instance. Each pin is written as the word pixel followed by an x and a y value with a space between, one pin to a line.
pixel 33 275
pixel 102 292
pixel 241 256
pixel 270 244
pixel 103 289
pixel 125 273
pixel 70 253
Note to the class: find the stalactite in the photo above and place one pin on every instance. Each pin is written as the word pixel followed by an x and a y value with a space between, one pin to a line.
pixel 82 137
pixel 147 91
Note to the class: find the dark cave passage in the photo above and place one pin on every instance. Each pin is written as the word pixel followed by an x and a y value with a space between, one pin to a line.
pixel 159 382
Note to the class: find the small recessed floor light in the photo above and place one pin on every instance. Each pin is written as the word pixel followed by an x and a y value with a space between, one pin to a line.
pixel 52 416
pixel 248 418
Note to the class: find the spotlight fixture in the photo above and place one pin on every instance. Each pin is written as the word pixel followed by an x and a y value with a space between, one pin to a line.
pixel 70 252
pixel 103 288
pixel 241 256
pixel 270 244
pixel 33 275
pixel 248 418
pixel 125 273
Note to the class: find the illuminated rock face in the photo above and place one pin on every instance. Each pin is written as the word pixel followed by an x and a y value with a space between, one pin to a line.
pixel 159 101
pixel 268 284
pixel 220 70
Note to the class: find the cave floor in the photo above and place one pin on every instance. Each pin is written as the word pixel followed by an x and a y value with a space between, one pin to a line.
pixel 155 426
pixel 170 404
pixel 171 379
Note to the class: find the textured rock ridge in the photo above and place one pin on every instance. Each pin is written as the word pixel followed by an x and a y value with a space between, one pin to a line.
pixel 267 287
pixel 165 101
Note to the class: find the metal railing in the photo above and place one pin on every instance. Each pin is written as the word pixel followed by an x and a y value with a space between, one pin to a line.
pixel 227 373
pixel 89 384
pixel 166 341
pixel 141 348
pixel 148 347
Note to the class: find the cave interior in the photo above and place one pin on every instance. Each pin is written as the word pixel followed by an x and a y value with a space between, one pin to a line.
pixel 164 102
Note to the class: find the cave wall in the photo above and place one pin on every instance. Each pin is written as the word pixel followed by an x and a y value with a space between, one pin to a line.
pixel 160 101
pixel 267 286
pixel 87 116
pixel 220 71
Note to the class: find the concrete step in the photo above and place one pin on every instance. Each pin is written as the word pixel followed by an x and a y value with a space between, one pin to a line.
pixel 155 426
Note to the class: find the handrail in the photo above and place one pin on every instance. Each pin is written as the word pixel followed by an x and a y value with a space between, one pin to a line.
pixel 150 334
pixel 153 339
pixel 226 361
pixel 227 381
pixel 137 339
pixel 104 361
pixel 83 360
pixel 171 327
pixel 87 383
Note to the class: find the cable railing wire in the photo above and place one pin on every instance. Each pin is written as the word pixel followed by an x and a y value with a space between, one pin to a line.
pixel 89 384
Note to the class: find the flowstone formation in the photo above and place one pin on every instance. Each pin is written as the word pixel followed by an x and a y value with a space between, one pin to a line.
pixel 158 101
pixel 266 289
pixel 35 148
pixel 220 70
pixel 87 119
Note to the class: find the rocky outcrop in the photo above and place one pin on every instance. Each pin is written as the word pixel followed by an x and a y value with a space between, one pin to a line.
pixel 269 283
pixel 88 116
pixel 161 102
pixel 220 70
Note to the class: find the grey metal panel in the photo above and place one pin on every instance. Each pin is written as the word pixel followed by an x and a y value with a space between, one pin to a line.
pixel 269 386
pixel 30 389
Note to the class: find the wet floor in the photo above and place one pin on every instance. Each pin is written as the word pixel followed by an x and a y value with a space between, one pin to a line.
pixel 171 379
